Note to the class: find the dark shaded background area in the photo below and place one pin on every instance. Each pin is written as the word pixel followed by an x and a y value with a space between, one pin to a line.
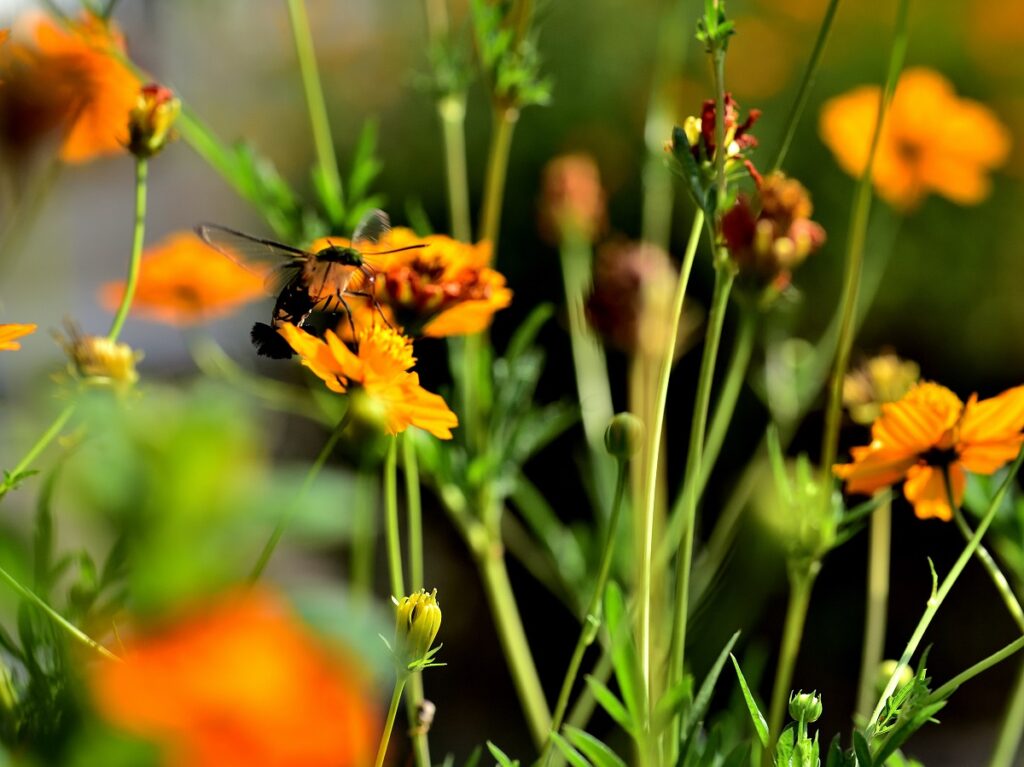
pixel 952 296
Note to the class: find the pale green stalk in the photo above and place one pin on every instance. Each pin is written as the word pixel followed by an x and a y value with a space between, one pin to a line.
pixel 452 111
pixel 1012 729
pixel 322 141
pixel 397 578
pixel 879 544
pixel 364 529
pixel 37 449
pixel 139 236
pixel 998 579
pixel 389 723
pixel 505 118
pixel 981 666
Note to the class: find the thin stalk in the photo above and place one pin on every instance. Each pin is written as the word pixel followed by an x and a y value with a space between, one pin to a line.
pixel 1012 729
pixel 935 601
pixel 855 257
pixel 491 562
pixel 652 451
pixel 718 62
pixel 724 275
pixel 389 723
pixel 326 159
pixel 282 522
pixel 391 520
pixel 591 618
pixel 36 450
pixel 981 666
pixel 806 84
pixel 363 534
pixel 55 616
pixel 505 119
pixel 879 545
pixel 141 174
pixel 452 111
pixel 796 616
pixel 414 512
pixel 732 385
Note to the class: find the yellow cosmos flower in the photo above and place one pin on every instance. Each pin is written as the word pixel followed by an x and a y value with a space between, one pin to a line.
pixel 932 140
pixel 381 368
pixel 11 331
pixel 929 434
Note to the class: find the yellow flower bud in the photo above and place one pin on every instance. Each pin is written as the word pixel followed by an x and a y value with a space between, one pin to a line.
pixel 417 620
pixel 150 121
pixel 100 361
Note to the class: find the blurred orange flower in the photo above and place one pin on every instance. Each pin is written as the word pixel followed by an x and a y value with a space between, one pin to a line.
pixel 11 331
pixel 183 281
pixel 68 77
pixel 930 432
pixel 381 369
pixel 932 140
pixel 242 684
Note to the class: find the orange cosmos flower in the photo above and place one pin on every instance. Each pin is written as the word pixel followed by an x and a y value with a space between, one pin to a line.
pixel 11 331
pixel 381 368
pixel 183 281
pixel 242 684
pixel 71 78
pixel 929 432
pixel 932 140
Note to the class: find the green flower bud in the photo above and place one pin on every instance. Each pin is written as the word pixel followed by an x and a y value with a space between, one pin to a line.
pixel 624 435
pixel 885 671
pixel 417 620
pixel 805 706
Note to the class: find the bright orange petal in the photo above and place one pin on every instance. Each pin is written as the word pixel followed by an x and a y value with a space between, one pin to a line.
pixel 925 488
pixel 990 434
pixel 317 356
pixel 873 468
pixel 11 331
pixel 919 421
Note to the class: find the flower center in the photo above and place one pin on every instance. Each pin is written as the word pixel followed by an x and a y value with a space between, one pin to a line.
pixel 939 458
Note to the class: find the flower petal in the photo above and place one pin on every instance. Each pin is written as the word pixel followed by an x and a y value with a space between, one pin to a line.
pixel 925 488
pixel 873 468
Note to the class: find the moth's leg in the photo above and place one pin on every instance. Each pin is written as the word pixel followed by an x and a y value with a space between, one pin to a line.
pixel 348 312
pixel 376 305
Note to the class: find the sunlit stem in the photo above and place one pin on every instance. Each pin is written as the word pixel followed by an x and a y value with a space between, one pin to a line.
pixel 452 111
pixel 139 236
pixel 56 617
pixel 414 511
pixel 721 150
pixel 36 450
pixel 1012 729
pixel 505 118
pixel 935 602
pixel 877 604
pixel 855 258
pixel 651 454
pixel 282 522
pixel 806 84
pixel 322 141
pixel 389 723
pixel 592 615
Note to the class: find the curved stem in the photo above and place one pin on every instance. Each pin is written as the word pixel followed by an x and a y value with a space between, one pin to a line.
pixel 591 618
pixel 652 451
pixel 326 159
pixel 877 605
pixel 11 477
pixel 141 174
pixel 810 73
pixel 389 723
pixel 282 523
pixel 855 258
pixel 983 665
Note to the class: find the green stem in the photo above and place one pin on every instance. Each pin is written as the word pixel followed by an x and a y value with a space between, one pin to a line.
pixel 935 601
pixel 981 553
pixel 855 257
pixel 141 173
pixel 391 520
pixel 282 522
pixel 732 385
pixel 452 110
pixel 651 455
pixel 1013 723
pixel 724 275
pixel 364 534
pixel 796 615
pixel 389 723
pixel 55 616
pixel 505 119
pixel 806 84
pixel 877 605
pixel 414 512
pixel 981 666
pixel 11 477
pixel 592 616
pixel 326 159
pixel 491 563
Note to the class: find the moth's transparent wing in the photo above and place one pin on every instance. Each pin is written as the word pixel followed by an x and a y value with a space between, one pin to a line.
pixel 277 263
pixel 371 228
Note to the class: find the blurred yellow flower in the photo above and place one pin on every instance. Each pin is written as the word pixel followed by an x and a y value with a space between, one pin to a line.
pixel 381 369
pixel 930 432
pixel 183 281
pixel 243 684
pixel 881 379
pixel 100 361
pixel 932 140
pixel 11 331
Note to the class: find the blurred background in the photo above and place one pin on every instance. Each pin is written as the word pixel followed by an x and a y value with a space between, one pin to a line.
pixel 951 295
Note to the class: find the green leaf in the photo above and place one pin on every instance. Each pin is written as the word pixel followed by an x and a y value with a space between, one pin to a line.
pixel 755 713
pixel 616 710
pixel 42 550
pixel 703 699
pixel 785 746
pixel 682 151
pixel 624 656
pixel 366 166
pixel 836 757
pixel 526 334
pixel 739 756
pixel 672 702
pixel 574 757
pixel 595 750
pixel 861 749
pixel 501 757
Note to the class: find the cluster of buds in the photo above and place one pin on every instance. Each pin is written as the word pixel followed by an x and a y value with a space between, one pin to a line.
pixel 572 203
pixel 700 131
pixel 99 361
pixel 768 238
pixel 417 621
pixel 879 380
pixel 151 120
